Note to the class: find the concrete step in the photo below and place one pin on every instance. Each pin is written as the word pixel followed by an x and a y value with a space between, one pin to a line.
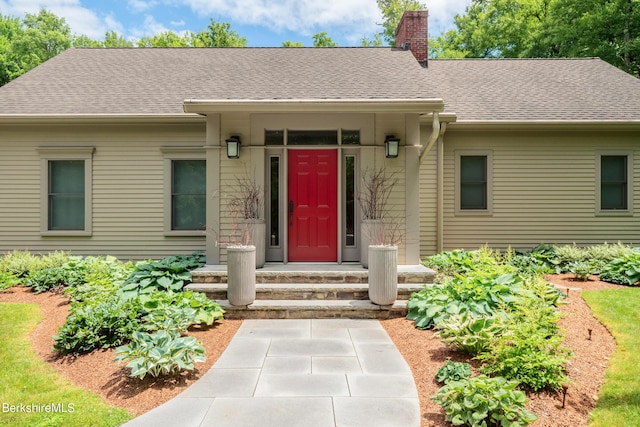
pixel 304 291
pixel 330 273
pixel 314 309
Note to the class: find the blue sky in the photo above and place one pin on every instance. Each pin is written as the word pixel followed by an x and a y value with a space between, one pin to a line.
pixel 262 22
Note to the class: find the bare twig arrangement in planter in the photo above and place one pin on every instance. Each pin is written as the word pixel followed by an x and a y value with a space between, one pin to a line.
pixel 374 193
pixel 248 199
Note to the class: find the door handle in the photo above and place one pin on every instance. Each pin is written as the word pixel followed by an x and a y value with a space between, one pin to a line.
pixel 290 213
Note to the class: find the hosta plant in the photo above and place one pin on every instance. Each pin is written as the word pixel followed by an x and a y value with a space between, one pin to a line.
pixel 160 353
pixel 581 270
pixel 624 270
pixel 453 371
pixel 484 402
pixel 171 273
pixel 478 293
pixel 178 310
pixel 470 333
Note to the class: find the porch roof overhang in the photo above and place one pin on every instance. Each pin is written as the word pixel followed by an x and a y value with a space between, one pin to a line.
pixel 416 106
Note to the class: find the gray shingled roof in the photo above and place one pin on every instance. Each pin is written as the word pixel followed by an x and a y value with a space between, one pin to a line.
pixel 535 89
pixel 157 81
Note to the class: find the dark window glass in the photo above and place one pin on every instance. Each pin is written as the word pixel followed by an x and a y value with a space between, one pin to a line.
pixel 274 202
pixel 350 200
pixel 312 137
pixel 66 195
pixel 350 137
pixel 274 137
pixel 613 182
pixel 188 194
pixel 473 182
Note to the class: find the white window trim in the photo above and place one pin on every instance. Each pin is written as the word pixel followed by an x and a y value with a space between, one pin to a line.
pixel 474 212
pixel 170 154
pixel 598 184
pixel 66 153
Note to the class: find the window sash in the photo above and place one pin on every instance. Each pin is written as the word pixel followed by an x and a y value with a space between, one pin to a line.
pixel 613 183
pixel 188 194
pixel 66 195
pixel 473 182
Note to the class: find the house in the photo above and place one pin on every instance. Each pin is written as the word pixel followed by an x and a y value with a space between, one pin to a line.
pixel 129 152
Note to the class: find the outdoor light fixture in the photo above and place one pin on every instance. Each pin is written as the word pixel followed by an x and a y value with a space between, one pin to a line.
pixel 391 147
pixel 233 147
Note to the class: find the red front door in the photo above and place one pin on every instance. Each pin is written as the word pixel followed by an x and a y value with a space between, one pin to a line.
pixel 313 205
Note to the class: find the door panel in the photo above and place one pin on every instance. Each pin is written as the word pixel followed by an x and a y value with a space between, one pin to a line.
pixel 313 195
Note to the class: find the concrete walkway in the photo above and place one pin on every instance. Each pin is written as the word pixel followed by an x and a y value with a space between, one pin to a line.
pixel 307 373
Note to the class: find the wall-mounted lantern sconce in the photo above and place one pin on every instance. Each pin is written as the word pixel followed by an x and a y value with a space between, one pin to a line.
pixel 233 147
pixel 391 144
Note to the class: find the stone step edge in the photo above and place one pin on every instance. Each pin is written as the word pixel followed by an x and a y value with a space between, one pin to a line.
pixel 314 309
pixel 207 277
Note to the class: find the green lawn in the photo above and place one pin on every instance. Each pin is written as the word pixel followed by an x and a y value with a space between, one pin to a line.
pixel 33 394
pixel 619 402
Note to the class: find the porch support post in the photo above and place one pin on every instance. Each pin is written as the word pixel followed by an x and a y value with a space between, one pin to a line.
pixel 213 148
pixel 412 189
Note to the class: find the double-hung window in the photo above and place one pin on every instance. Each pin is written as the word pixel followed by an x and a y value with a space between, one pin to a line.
pixel 185 191
pixel 473 182
pixel 614 182
pixel 66 193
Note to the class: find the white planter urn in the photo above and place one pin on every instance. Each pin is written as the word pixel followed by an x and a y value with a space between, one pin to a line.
pixel 370 230
pixel 241 274
pixel 258 231
pixel 383 274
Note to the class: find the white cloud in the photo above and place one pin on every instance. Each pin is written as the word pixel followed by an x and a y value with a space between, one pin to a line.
pixel 302 16
pixel 441 13
pixel 81 19
pixel 141 5
pixel 180 23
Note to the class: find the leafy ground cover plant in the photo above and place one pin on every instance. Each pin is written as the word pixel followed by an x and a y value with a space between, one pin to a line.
pixel 170 273
pixel 478 293
pixel 8 280
pixel 453 371
pixel 624 270
pixel 582 270
pixel 178 310
pixel 482 401
pixel 470 333
pixel 102 324
pixel 160 353
pixel 530 351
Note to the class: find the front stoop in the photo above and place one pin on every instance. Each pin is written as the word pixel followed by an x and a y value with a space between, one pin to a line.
pixel 311 292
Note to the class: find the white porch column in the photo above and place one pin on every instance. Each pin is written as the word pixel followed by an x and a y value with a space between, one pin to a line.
pixel 412 189
pixel 214 147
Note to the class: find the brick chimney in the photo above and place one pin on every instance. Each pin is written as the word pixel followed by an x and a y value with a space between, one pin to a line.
pixel 412 34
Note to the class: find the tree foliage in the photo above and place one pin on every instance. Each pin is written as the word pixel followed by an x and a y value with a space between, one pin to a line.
pixel 27 42
pixel 392 11
pixel 323 40
pixel 609 29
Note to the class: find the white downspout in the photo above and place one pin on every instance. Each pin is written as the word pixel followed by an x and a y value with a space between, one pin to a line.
pixel 440 191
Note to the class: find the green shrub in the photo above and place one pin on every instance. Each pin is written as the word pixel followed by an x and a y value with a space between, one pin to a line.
pixel 178 310
pixel 482 401
pixel 530 351
pixel 8 280
pixel 160 353
pixel 601 255
pixel 102 278
pixel 453 371
pixel 171 273
pixel 582 270
pixel 469 333
pixel 624 270
pixel 100 325
pixel 46 279
pixel 19 263
pixel 462 262
pixel 478 293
